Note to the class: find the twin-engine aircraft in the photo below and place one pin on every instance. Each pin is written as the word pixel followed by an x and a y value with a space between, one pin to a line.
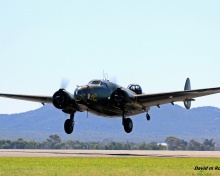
pixel 104 98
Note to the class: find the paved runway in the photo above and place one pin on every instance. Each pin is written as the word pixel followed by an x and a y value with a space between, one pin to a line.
pixel 108 153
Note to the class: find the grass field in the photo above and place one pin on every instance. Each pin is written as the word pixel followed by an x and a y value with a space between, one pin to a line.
pixel 107 166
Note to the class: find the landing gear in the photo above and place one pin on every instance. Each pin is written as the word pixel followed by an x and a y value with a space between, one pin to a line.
pixel 69 124
pixel 127 123
pixel 148 116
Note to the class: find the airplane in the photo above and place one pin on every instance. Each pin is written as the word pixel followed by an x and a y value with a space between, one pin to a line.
pixel 105 98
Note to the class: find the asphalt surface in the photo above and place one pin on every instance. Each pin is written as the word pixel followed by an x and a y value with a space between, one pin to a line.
pixel 108 153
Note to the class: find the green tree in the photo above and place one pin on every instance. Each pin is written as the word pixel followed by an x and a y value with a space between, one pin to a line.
pixel 196 146
pixel 175 143
pixel 209 144
pixel 31 144
pixel 20 143
pixel 142 146
pixel 127 146
pixel 155 146
pixel 54 139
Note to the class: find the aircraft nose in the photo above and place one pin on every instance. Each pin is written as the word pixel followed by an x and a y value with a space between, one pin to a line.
pixel 79 93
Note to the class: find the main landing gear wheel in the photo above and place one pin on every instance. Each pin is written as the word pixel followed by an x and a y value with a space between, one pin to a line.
pixel 69 124
pixel 128 125
pixel 148 116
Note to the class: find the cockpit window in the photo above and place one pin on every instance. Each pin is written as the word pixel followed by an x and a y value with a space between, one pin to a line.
pixel 96 82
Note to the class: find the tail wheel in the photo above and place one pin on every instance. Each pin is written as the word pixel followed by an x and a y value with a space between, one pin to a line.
pixel 68 126
pixel 148 116
pixel 128 125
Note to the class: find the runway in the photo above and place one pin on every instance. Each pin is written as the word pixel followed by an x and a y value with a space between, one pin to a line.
pixel 109 153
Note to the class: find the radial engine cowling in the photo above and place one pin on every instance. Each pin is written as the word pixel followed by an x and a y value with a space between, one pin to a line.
pixel 120 98
pixel 62 99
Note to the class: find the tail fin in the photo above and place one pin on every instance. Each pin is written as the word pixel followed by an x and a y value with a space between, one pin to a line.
pixel 187 84
pixel 187 103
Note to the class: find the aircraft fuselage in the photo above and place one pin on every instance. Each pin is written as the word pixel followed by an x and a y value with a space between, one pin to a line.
pixel 96 98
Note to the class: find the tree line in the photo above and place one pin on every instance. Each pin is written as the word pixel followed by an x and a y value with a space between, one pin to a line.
pixel 54 142
pixel 179 144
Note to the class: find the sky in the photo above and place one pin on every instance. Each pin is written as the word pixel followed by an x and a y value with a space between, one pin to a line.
pixel 156 44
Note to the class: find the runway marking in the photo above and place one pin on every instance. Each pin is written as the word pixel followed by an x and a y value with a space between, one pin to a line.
pixel 109 153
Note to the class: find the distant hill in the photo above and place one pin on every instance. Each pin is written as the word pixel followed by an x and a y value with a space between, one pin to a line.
pixel 197 123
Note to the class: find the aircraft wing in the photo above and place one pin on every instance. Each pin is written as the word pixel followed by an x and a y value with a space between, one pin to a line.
pixel 34 98
pixel 149 100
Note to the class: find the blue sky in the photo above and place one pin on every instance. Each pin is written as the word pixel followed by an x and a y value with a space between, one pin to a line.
pixel 157 44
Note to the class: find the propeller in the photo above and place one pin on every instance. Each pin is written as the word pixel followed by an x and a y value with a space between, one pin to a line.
pixel 62 98
pixel 64 83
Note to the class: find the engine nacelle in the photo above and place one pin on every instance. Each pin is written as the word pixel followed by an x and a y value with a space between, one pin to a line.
pixel 121 98
pixel 187 104
pixel 118 98
pixel 62 99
